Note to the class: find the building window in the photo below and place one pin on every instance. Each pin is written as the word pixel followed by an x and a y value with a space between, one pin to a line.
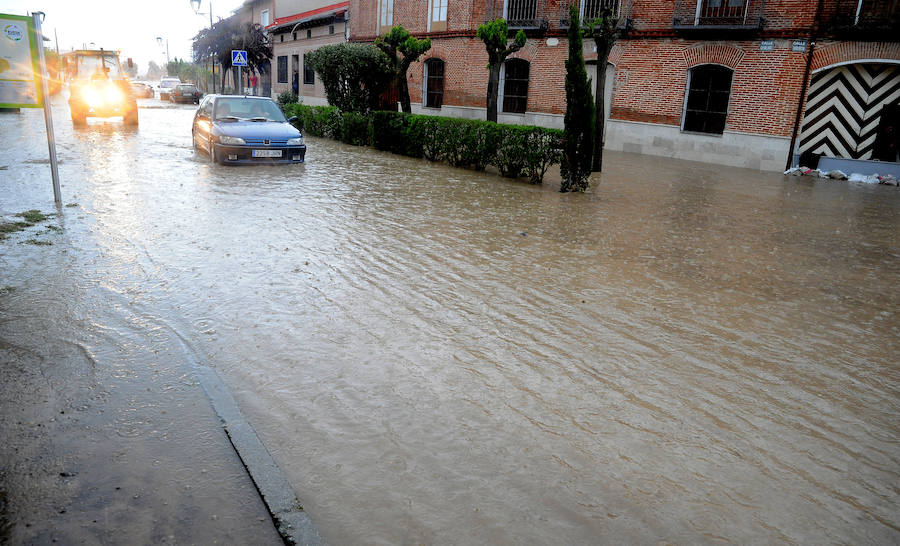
pixel 518 11
pixel 709 87
pixel 309 75
pixel 437 15
pixel 282 69
pixel 590 9
pixel 309 33
pixel 385 13
pixel 722 11
pixel 515 86
pixel 264 18
pixel 434 83
pixel 330 29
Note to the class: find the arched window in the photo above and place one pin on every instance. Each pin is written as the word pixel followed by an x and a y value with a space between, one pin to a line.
pixel 515 86
pixel 709 87
pixel 434 83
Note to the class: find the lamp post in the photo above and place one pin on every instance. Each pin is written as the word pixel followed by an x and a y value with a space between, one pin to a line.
pixel 195 4
pixel 159 41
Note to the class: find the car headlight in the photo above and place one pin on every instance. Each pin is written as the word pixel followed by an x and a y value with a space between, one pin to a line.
pixel 295 141
pixel 231 140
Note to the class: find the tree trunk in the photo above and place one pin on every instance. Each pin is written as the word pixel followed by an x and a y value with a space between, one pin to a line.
pixel 403 87
pixel 493 92
pixel 600 103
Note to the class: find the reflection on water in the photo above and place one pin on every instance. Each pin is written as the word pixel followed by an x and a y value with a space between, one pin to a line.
pixel 686 354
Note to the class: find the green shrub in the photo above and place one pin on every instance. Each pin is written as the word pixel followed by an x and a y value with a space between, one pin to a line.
pixel 287 98
pixel 354 74
pixel 423 132
pixel 515 150
pixel 356 129
pixel 486 136
pixel 389 132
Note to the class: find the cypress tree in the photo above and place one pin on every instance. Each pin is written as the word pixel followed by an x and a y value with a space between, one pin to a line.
pixel 575 166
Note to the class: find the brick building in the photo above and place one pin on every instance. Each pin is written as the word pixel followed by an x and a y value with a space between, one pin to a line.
pixel 720 81
pixel 301 26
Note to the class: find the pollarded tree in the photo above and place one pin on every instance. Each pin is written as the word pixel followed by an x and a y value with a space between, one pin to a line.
pixel 575 166
pixel 495 35
pixel 399 40
pixel 604 30
pixel 354 74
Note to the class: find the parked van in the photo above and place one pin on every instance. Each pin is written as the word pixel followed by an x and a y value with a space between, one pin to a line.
pixel 165 87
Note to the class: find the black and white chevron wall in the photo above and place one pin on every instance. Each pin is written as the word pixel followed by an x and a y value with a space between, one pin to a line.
pixel 843 109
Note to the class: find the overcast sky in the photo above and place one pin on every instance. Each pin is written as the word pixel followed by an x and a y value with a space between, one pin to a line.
pixel 129 25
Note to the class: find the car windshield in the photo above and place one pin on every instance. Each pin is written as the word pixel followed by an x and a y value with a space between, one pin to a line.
pixel 242 108
pixel 167 83
pixel 91 65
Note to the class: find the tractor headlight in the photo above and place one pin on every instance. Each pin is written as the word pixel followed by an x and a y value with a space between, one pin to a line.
pixel 231 140
pixel 112 94
pixel 92 97
pixel 295 141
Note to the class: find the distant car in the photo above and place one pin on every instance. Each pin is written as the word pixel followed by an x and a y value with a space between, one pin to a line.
pixel 142 90
pixel 165 87
pixel 186 92
pixel 235 129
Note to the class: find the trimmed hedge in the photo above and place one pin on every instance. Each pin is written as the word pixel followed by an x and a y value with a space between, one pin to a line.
pixel 515 150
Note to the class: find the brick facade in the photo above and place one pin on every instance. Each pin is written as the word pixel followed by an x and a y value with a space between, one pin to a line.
pixel 652 62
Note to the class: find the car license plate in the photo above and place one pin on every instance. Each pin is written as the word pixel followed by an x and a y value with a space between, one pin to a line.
pixel 266 153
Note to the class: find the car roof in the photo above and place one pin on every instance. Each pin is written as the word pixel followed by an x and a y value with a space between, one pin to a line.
pixel 240 97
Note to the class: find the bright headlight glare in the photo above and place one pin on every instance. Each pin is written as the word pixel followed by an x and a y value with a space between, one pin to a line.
pixel 231 140
pixel 93 98
pixel 112 94
pixel 295 141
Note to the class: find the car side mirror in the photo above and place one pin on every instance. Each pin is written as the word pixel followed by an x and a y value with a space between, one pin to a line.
pixel 292 119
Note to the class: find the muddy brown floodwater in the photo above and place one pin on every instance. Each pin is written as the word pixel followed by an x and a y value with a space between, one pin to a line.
pixel 686 354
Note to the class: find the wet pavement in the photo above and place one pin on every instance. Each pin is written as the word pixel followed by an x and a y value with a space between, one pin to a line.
pixel 687 354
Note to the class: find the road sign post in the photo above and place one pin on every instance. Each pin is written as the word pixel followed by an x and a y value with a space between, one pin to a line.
pixel 239 59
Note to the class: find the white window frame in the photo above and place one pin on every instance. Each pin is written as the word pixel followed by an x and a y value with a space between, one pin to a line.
pixel 583 2
pixel 687 90
pixel 442 7
pixel 425 83
pixel 502 89
pixel 264 18
pixel 385 14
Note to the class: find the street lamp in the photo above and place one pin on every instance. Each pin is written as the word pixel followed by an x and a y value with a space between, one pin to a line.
pixel 159 41
pixel 195 5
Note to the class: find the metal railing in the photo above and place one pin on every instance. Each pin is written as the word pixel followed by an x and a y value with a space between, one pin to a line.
pixel 521 13
pixel 721 14
pixel 590 9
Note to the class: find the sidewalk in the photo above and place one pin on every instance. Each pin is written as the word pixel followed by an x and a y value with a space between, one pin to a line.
pixel 107 434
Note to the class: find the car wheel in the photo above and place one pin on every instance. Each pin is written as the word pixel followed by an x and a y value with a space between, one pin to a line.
pixel 131 118
pixel 78 118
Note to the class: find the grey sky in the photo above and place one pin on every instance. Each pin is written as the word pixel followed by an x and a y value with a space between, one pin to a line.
pixel 128 25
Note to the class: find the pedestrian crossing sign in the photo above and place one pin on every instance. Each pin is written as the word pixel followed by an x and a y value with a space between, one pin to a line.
pixel 238 57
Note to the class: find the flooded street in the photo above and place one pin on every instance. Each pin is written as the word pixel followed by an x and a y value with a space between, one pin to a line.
pixel 687 354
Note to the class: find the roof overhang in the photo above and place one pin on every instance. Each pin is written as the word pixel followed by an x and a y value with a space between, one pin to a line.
pixel 311 18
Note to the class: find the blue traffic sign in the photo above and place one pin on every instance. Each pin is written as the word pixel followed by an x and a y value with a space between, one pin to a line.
pixel 238 57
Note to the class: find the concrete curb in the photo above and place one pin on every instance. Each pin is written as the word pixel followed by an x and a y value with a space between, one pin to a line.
pixel 292 522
